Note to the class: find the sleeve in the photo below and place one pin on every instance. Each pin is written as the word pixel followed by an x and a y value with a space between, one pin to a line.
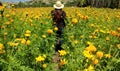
pixel 64 16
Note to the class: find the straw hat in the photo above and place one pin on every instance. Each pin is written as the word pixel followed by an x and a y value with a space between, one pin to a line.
pixel 58 5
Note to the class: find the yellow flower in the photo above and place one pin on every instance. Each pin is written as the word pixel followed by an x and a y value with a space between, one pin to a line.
pixel 102 31
pixel 7 15
pixel 114 33
pixel 107 55
pixel 44 65
pixel 23 41
pixel 118 29
pixel 43 36
pixel 12 5
pixel 7 23
pixel 63 62
pixel 27 35
pixel 107 38
pixel 99 54
pixel 39 59
pixel 30 20
pixel 87 54
pixel 27 31
pixel 92 25
pixel 95 61
pixel 28 42
pixel 89 43
pixel 44 55
pixel 55 28
pixel 76 41
pixel 2 51
pixel 62 52
pixel 5 33
pixel 50 31
pixel 74 21
pixel 85 70
pixel 12 44
pixel 2 7
pixel 91 48
pixel 1 46
pixel 91 68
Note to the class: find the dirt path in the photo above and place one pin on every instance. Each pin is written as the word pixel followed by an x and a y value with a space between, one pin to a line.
pixel 56 59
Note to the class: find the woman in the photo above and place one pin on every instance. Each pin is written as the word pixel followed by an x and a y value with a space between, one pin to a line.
pixel 59 18
pixel 1 9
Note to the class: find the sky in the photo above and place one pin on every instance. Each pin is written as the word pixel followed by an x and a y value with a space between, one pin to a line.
pixel 12 0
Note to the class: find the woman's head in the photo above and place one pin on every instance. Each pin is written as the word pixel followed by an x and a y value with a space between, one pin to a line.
pixel 58 5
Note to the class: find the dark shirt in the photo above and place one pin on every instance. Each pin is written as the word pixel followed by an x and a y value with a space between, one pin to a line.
pixel 59 17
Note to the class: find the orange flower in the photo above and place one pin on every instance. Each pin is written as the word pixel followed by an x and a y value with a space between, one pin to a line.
pixel 7 15
pixel 118 29
pixel 23 41
pixel 114 33
pixel 99 54
pixel 95 61
pixel 7 23
pixel 74 21
pixel 50 31
pixel 107 38
pixel 1 46
pixel 91 48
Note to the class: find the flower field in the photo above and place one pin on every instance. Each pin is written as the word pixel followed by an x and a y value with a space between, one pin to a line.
pixel 91 40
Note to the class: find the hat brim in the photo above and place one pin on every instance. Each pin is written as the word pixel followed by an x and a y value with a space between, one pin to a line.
pixel 56 7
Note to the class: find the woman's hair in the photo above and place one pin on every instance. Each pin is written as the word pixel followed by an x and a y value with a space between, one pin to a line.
pixel 1 4
pixel 57 15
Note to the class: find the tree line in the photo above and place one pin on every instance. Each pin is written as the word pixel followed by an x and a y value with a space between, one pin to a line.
pixel 78 3
pixel 100 3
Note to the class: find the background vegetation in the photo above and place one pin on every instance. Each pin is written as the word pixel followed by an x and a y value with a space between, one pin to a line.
pixel 79 3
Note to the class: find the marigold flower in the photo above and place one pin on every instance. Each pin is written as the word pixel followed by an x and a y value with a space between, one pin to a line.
pixel 118 29
pixel 27 35
pixel 39 59
pixel 63 62
pixel 55 28
pixel 87 54
pixel 107 55
pixel 28 42
pixel 23 41
pixel 27 31
pixel 62 52
pixel 43 36
pixel 7 23
pixel 99 54
pixel 50 31
pixel 74 20
pixel 91 48
pixel 44 65
pixel 13 44
pixel 95 61
pixel 44 55
pixel 1 46
pixel 91 68
pixel 76 41
pixel 114 33
pixel 7 15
